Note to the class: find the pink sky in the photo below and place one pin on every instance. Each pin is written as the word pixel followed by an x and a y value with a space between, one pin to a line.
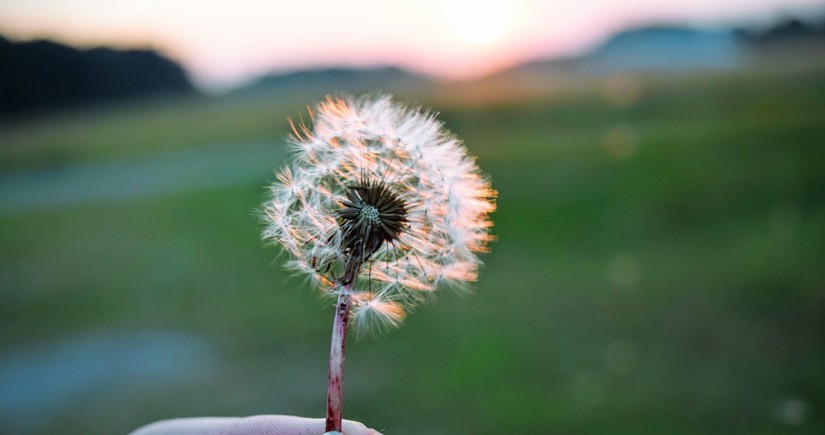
pixel 225 43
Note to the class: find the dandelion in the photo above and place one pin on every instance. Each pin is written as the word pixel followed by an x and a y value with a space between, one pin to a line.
pixel 380 208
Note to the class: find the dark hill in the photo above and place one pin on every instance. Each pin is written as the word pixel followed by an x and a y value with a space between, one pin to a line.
pixel 655 48
pixel 787 31
pixel 338 79
pixel 44 74
pixel 667 48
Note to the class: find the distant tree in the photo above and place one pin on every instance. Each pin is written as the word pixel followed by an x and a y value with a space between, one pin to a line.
pixel 43 74
pixel 787 30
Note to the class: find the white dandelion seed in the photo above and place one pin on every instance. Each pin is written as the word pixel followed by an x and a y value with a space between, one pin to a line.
pixel 380 207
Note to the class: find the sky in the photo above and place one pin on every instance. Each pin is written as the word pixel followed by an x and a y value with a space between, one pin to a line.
pixel 225 43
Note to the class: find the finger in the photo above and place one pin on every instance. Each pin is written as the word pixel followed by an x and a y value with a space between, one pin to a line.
pixel 256 425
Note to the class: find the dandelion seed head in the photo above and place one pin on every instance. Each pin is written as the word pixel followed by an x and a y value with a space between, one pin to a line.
pixel 380 198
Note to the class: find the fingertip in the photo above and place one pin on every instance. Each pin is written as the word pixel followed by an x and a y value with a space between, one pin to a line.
pixel 355 428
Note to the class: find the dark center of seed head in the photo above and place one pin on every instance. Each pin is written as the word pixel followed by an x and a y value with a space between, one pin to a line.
pixel 371 215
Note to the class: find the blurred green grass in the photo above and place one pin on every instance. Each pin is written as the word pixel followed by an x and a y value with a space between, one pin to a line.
pixel 658 269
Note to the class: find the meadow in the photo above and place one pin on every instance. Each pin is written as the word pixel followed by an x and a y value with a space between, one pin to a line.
pixel 658 268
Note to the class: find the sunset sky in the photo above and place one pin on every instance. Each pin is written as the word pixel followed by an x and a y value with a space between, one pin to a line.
pixel 226 43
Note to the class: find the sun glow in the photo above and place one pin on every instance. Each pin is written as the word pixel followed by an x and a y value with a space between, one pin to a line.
pixel 480 22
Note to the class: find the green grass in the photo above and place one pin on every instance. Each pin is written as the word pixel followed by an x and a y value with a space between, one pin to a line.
pixel 667 280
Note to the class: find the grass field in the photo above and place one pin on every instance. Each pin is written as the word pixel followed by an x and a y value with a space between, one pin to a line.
pixel 658 269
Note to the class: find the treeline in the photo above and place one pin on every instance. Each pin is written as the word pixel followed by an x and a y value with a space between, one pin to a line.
pixel 43 74
pixel 788 30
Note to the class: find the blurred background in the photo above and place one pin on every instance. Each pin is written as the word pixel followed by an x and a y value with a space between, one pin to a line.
pixel 660 259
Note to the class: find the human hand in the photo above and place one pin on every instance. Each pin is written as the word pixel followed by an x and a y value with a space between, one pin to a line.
pixel 255 425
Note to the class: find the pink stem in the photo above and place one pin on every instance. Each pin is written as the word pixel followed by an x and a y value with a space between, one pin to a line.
pixel 335 397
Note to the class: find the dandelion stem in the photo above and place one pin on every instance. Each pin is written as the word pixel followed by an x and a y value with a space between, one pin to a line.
pixel 335 397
